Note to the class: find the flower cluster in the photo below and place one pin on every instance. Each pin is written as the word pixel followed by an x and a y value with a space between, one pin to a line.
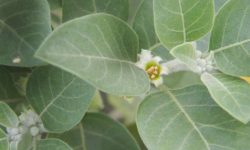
pixel 153 66
pixel 29 122
pixel 204 62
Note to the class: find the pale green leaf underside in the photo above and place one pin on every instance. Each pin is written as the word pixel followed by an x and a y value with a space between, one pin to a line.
pixel 74 137
pixel 188 119
pixel 179 21
pixel 77 8
pixel 4 145
pixel 8 117
pixel 103 133
pixel 230 39
pixel 186 54
pixel 52 144
pixel 182 79
pixel 100 49
pixel 23 26
pixel 143 24
pixel 60 98
pixel 231 93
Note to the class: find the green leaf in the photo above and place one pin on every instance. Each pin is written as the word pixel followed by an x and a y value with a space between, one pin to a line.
pixel 218 4
pixel 52 144
pixel 8 117
pixel 4 144
pixel 160 50
pixel 100 49
pixel 203 43
pixel 179 21
pixel 77 8
pixel 55 4
pixel 74 137
pixel 60 98
pixel 103 133
pixel 26 142
pixel 231 93
pixel 182 79
pixel 8 92
pixel 230 39
pixel 186 54
pixel 24 24
pixel 189 119
pixel 143 24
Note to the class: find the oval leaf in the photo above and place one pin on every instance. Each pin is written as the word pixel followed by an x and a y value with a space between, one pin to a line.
pixel 231 93
pixel 77 8
pixel 179 21
pixel 230 39
pixel 60 98
pixel 23 24
pixel 4 144
pixel 143 24
pixel 188 119
pixel 103 133
pixel 8 118
pixel 100 49
pixel 52 144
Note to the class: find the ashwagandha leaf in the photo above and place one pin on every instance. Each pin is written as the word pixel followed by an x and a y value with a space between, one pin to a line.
pixel 74 137
pixel 26 143
pixel 218 4
pixel 182 79
pixel 60 98
pixel 231 93
pixel 55 4
pixel 163 52
pixel 203 43
pixel 100 49
pixel 186 54
pixel 179 21
pixel 8 118
pixel 189 119
pixel 8 91
pixel 23 26
pixel 230 39
pixel 143 24
pixel 4 144
pixel 103 133
pixel 77 8
pixel 52 144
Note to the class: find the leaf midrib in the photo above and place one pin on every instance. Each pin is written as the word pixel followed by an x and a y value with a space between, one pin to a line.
pixel 54 99
pixel 230 46
pixel 227 91
pixel 16 34
pixel 172 96
pixel 86 56
pixel 183 21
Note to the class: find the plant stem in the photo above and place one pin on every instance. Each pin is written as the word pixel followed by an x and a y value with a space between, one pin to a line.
pixel 107 106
